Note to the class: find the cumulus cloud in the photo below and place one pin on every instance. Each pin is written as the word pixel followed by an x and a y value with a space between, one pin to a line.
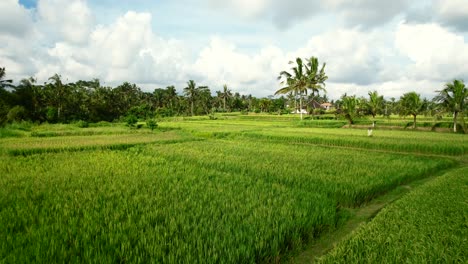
pixel 127 50
pixel 221 63
pixel 436 53
pixel 71 20
pixel 367 13
pixel 283 14
pixel 15 20
pixel 352 56
pixel 453 13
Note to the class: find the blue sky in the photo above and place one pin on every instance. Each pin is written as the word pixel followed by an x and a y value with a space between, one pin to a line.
pixel 389 46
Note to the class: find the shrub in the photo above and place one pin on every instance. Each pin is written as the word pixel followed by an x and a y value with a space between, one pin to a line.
pixel 131 120
pixel 82 124
pixel 152 124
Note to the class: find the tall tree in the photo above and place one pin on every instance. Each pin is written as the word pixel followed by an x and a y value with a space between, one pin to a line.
pixel 375 104
pixel 191 93
pixel 411 104
pixel 349 107
pixel 3 82
pixel 453 98
pixel 315 78
pixel 296 82
pixel 226 94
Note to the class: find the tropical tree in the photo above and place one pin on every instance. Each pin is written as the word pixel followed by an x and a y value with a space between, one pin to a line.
pixel 296 82
pixel 315 78
pixel 191 93
pixel 453 98
pixel 411 104
pixel 226 94
pixel 171 96
pixel 4 83
pixel 349 107
pixel 375 104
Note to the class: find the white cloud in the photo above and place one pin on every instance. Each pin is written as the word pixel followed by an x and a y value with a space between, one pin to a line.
pixel 453 13
pixel 352 56
pixel 15 20
pixel 221 63
pixel 127 50
pixel 367 13
pixel 71 20
pixel 436 53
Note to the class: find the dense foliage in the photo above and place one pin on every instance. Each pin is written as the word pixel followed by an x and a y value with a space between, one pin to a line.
pixel 89 101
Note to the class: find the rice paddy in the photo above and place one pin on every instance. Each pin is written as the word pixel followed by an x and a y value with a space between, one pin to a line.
pixel 219 191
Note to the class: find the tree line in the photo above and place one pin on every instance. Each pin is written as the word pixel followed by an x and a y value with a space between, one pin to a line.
pixel 307 77
pixel 303 90
pixel 58 102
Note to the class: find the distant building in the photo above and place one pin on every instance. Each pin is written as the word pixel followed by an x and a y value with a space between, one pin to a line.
pixel 297 111
pixel 326 106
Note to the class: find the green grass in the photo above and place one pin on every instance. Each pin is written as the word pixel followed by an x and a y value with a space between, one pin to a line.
pixel 429 225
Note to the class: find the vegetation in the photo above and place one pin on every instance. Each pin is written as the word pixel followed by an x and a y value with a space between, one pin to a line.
pixel 202 183
pixel 303 77
pixel 453 98
pixel 426 226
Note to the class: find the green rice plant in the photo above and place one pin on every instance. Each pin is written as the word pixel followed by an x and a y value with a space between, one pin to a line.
pixel 349 176
pixel 28 146
pixel 399 141
pixel 112 207
pixel 429 225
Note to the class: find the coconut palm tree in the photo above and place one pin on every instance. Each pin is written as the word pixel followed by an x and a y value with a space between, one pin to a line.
pixel 411 104
pixel 297 82
pixel 349 107
pixel 226 94
pixel 315 78
pixel 453 98
pixel 4 83
pixel 191 92
pixel 375 104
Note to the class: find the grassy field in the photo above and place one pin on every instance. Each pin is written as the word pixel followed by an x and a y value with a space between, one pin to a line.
pixel 238 189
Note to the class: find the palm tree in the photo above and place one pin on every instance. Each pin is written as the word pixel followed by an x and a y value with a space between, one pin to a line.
pixel 171 96
pixel 4 83
pixel 411 104
pixel 191 92
pixel 58 93
pixel 453 98
pixel 226 94
pixel 349 107
pixel 297 82
pixel 316 79
pixel 375 104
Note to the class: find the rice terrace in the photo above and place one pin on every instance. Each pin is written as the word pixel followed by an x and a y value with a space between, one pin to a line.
pixel 254 152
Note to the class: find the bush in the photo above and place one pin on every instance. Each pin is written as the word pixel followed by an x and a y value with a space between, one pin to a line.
pixel 17 113
pixel 82 124
pixel 131 120
pixel 152 124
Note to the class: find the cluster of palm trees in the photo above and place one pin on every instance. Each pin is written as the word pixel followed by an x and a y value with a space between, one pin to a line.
pixel 303 77
pixel 308 76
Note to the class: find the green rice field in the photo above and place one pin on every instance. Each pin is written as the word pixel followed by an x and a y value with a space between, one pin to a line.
pixel 240 189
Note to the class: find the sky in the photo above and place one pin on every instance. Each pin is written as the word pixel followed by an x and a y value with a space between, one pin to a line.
pixel 392 47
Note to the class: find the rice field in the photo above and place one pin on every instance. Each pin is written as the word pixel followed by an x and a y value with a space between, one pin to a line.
pixel 198 191
pixel 429 225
